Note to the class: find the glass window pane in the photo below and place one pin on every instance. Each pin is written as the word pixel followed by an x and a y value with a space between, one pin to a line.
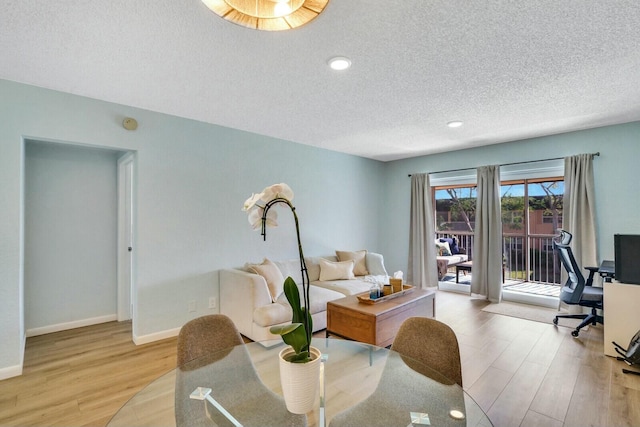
pixel 455 209
pixel 545 206
pixel 512 206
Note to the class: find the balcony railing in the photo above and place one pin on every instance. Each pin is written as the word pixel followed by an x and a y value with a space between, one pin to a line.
pixel 529 259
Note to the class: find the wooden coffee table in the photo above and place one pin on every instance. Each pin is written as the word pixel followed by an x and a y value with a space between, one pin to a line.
pixel 377 324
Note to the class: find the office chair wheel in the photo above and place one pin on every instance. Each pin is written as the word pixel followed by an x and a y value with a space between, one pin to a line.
pixel 575 333
pixel 555 321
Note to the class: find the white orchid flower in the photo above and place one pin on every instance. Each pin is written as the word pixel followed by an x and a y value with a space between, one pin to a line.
pixel 277 190
pixel 255 218
pixel 251 201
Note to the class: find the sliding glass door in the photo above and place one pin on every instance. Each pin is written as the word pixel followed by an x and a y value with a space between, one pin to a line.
pixel 528 232
pixel 531 214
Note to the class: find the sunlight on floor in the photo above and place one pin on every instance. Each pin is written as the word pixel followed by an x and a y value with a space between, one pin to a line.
pixel 533 293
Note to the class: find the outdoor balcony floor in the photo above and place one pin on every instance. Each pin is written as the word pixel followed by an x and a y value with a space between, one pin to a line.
pixel 542 294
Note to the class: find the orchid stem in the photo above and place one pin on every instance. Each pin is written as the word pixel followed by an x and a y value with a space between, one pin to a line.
pixel 303 265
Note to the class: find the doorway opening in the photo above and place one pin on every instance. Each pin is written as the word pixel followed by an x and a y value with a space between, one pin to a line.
pixel 72 235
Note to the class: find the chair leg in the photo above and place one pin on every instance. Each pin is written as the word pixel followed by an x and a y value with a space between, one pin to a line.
pixel 588 319
pixel 569 316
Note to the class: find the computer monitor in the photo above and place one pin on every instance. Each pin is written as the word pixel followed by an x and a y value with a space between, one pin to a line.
pixel 627 258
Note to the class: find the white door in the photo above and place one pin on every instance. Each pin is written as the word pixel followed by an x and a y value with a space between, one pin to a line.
pixel 125 237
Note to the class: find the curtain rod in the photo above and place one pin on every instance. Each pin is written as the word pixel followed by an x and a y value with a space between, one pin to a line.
pixel 509 164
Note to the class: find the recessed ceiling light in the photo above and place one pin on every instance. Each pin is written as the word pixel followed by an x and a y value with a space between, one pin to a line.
pixel 454 124
pixel 339 63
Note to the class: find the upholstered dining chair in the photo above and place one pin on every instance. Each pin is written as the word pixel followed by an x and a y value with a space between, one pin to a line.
pixel 206 335
pixel 422 374
pixel 212 354
pixel 433 344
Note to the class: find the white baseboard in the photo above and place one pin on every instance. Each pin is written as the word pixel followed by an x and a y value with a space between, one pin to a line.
pixel 10 371
pixel 525 298
pixel 15 371
pixel 156 336
pixel 70 325
pixel 454 287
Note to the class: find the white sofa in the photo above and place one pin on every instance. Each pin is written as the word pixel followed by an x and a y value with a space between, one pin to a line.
pixel 444 262
pixel 247 300
pixel 449 254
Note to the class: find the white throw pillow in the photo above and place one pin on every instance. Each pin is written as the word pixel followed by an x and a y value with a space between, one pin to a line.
pixel 442 248
pixel 336 270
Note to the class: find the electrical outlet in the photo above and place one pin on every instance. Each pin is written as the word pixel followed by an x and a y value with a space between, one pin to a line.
pixel 192 306
pixel 212 302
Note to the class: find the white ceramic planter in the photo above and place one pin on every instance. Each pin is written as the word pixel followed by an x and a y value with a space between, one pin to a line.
pixel 300 381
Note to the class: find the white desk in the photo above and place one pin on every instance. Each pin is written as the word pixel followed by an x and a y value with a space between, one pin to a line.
pixel 621 314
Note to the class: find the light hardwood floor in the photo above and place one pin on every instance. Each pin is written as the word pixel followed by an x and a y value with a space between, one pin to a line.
pixel 525 373
pixel 522 373
pixel 81 377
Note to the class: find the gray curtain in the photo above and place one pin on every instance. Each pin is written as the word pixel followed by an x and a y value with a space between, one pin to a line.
pixel 423 271
pixel 578 215
pixel 486 278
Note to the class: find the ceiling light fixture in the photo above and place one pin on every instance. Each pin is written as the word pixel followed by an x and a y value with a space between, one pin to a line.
pixel 339 63
pixel 454 124
pixel 267 15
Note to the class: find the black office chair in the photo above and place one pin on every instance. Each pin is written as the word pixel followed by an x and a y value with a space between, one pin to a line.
pixel 577 291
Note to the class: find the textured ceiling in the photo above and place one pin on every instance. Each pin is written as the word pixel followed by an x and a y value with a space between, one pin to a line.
pixel 508 69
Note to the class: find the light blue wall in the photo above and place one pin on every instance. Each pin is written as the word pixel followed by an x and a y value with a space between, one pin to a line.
pixel 192 180
pixel 616 171
pixel 70 235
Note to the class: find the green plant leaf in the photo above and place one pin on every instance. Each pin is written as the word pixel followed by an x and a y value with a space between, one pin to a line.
pixel 296 337
pixel 295 334
pixel 302 357
pixel 293 296
pixel 284 329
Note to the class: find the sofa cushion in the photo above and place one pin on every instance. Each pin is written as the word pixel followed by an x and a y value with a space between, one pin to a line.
pixel 290 268
pixel 454 259
pixel 360 264
pixel 319 297
pixel 345 287
pixel 341 270
pixel 280 311
pixel 272 314
pixel 272 275
pixel 375 264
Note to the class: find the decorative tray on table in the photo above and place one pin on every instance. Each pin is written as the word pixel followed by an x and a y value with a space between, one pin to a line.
pixel 364 297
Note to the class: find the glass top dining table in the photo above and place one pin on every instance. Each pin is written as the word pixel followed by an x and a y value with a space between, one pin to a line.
pixel 360 385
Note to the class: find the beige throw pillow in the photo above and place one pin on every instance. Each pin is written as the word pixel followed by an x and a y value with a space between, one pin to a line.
pixel 358 257
pixel 330 270
pixel 272 275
